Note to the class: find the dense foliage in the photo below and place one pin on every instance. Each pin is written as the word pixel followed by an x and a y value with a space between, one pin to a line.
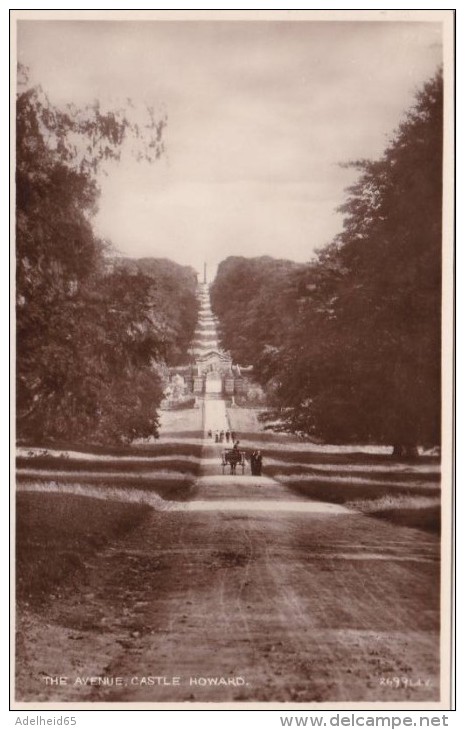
pixel 88 338
pixel 174 304
pixel 253 299
pixel 356 352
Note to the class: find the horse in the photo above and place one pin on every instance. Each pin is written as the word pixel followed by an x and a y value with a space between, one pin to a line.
pixel 233 457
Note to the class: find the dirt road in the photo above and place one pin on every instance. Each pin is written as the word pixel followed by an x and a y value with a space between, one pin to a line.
pixel 247 592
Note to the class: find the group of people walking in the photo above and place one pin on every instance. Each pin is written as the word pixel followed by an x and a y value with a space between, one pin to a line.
pixel 222 436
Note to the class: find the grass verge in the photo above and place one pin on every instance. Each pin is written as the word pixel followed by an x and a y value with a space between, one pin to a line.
pixel 427 518
pixel 410 506
pixel 56 534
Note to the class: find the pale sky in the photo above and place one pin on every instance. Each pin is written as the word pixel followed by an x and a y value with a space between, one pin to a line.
pixel 260 114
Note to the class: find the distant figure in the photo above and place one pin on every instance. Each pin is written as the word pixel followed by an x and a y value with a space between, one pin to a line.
pixel 217 438
pixel 256 463
pixel 209 433
pixel 221 436
pixel 252 462
pixel 228 436
pixel 233 436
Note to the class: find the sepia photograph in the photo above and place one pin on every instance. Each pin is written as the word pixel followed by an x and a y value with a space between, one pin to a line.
pixel 232 299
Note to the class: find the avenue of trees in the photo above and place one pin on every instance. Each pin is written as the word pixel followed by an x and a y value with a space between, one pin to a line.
pixel 92 331
pixel 348 346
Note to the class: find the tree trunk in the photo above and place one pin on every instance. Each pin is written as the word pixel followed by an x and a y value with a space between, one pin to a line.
pixel 405 451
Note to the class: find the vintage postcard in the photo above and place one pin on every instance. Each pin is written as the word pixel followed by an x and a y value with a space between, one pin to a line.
pixel 232 237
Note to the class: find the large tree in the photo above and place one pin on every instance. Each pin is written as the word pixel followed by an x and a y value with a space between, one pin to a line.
pixel 86 347
pixel 253 300
pixel 361 360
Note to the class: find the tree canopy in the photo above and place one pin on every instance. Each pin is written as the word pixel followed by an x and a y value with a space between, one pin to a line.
pixel 358 357
pixel 174 305
pixel 89 339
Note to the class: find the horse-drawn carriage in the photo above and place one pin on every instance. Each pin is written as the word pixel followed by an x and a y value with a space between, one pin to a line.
pixel 233 458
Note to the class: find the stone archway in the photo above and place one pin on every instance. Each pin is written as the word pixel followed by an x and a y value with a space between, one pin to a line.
pixel 213 382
